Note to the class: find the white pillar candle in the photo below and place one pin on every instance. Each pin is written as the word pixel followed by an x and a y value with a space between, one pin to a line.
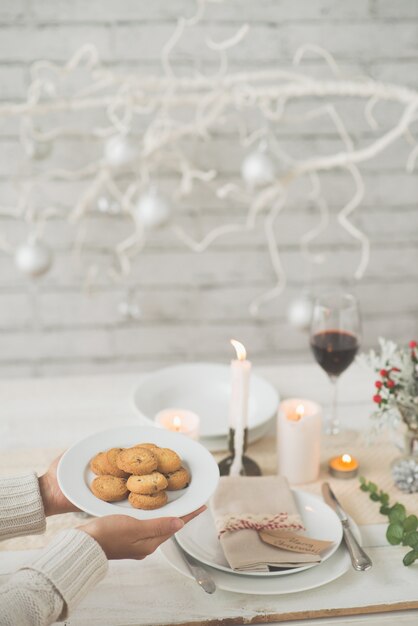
pixel 179 420
pixel 238 413
pixel 298 440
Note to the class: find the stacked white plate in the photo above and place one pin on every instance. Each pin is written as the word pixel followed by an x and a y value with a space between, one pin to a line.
pixel 199 539
pixel 205 388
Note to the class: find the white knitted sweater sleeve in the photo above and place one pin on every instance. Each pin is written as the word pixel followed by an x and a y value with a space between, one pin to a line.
pixel 21 508
pixel 60 575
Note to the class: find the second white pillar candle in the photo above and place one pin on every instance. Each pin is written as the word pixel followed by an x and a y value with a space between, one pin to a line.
pixel 299 440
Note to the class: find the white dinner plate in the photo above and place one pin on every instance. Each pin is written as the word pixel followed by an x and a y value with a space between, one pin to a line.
pixel 204 388
pixel 200 538
pixel 75 476
pixel 337 565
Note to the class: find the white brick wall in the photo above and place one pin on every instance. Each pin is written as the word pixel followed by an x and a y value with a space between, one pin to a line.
pixel 192 304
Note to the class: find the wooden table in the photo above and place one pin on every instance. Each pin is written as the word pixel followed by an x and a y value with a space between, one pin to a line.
pixel 53 413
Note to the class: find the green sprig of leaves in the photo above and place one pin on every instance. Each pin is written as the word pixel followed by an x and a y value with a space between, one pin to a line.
pixel 402 528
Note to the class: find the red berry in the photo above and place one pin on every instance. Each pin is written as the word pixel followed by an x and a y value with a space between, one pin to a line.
pixel 413 344
pixel 390 384
pixel 384 373
pixel 378 399
pixel 378 384
pixel 395 369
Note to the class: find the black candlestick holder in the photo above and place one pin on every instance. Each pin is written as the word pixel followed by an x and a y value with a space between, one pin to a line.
pixel 249 467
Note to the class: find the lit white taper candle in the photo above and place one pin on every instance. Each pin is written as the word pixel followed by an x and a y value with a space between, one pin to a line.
pixel 238 414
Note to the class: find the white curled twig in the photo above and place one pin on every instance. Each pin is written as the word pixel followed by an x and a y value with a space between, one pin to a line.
pixel 368 113
pixel 257 206
pixel 313 48
pixel 319 201
pixel 171 109
pixel 231 42
pixel 343 215
pixel 354 157
pixel 222 47
pixel 189 175
pixel 277 266
pixel 170 45
pixel 413 155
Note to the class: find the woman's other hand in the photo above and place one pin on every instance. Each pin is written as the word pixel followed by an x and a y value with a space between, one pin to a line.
pixel 52 497
pixel 124 537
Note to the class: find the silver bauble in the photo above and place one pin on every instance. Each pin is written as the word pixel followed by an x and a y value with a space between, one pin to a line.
pixel 130 311
pixel 152 210
pixel 33 259
pixel 257 169
pixel 106 206
pixel 299 313
pixel 120 151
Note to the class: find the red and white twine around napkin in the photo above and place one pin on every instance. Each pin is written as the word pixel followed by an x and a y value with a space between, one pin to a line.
pixel 278 521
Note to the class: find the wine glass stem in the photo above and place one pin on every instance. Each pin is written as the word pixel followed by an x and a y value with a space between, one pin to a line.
pixel 333 425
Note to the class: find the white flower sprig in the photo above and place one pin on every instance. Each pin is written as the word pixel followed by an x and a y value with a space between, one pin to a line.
pixel 398 381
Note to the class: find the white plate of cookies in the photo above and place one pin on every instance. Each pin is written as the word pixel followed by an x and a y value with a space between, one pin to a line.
pixel 141 471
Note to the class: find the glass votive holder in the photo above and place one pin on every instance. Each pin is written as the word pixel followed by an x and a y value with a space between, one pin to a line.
pixel 179 421
pixel 344 466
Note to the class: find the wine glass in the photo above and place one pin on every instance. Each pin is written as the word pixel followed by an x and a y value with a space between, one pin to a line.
pixel 335 340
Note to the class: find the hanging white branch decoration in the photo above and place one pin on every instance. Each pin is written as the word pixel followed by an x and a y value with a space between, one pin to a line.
pixel 172 110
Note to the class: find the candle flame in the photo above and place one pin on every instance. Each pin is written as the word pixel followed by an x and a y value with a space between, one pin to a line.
pixel 300 411
pixel 177 423
pixel 346 458
pixel 298 414
pixel 240 350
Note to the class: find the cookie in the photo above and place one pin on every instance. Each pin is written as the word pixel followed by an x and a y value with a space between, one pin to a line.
pixel 178 480
pixel 109 488
pixel 168 460
pixel 110 463
pixel 147 484
pixel 138 461
pixel 104 463
pixel 99 464
pixel 148 502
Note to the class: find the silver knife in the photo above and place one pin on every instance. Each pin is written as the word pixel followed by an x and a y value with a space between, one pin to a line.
pixel 359 559
pixel 199 573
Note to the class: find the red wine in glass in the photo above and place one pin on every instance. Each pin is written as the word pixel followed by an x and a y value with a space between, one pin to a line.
pixel 335 340
pixel 334 350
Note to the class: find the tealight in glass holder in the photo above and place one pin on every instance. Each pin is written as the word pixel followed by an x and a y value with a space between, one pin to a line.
pixel 249 467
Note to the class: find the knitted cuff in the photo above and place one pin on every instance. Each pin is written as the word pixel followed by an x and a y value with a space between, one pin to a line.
pixel 21 508
pixel 74 562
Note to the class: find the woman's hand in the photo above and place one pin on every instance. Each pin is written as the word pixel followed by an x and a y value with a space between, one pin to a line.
pixel 52 497
pixel 124 537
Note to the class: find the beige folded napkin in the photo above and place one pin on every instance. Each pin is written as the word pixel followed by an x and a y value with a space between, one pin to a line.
pixel 243 505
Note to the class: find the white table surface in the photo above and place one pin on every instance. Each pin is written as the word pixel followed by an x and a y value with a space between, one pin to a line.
pixel 56 412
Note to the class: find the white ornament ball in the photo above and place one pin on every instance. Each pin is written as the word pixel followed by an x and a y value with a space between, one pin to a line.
pixel 152 210
pixel 120 151
pixel 129 310
pixel 257 169
pixel 299 313
pixel 108 207
pixel 33 259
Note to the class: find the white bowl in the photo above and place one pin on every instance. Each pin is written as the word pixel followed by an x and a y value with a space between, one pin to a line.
pixel 204 388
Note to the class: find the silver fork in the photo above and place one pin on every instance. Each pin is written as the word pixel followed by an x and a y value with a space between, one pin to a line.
pixel 201 576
